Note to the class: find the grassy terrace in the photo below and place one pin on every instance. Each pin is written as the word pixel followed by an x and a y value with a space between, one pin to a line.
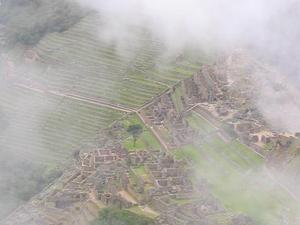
pixel 176 98
pixel 48 128
pixel 133 216
pixel 78 61
pixel 236 175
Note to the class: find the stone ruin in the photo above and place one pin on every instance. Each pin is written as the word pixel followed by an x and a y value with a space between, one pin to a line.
pixel 169 178
pixel 163 113
pixel 209 86
pixel 205 86
pixel 139 158
pixel 197 212
pixel 90 161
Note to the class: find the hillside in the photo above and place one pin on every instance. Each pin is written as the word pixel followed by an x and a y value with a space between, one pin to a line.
pixel 192 164
pixel 101 131
pixel 18 19
pixel 58 94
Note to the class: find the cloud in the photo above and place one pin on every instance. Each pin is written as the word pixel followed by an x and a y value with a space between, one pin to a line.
pixel 267 28
pixel 220 22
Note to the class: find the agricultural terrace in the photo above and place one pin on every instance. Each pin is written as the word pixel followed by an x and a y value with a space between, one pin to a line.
pixel 176 97
pixel 81 62
pixel 53 107
pixel 235 174
pixel 46 128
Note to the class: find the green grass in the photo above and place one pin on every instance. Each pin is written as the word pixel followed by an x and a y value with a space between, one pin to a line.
pixel 248 191
pixel 141 172
pixel 129 145
pixel 183 201
pixel 38 137
pixel 78 61
pixel 188 152
pixel 235 175
pixel 47 129
pixel 125 217
pixel 176 98
pixel 198 123
pixel 138 211
pixel 146 139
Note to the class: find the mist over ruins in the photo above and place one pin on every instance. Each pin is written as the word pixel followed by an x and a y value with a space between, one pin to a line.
pixel 128 112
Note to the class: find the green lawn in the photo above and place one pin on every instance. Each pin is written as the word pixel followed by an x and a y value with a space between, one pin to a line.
pixel 124 217
pixel 141 172
pixel 199 124
pixel 137 210
pixel 146 140
pixel 176 98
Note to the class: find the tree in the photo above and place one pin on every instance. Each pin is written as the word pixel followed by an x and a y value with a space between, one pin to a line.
pixel 135 130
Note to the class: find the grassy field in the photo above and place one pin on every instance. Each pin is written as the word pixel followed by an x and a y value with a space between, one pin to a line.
pixel 176 98
pixel 236 175
pixel 146 139
pixel 199 124
pixel 133 216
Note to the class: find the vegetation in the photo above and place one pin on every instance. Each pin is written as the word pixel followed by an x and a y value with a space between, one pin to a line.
pixel 22 26
pixel 24 179
pixel 38 137
pixel 198 123
pixel 112 216
pixel 43 129
pixel 135 130
pixel 176 98
pixel 141 172
pixel 20 180
pixel 90 66
pixel 145 141
pixel 235 176
pixel 48 129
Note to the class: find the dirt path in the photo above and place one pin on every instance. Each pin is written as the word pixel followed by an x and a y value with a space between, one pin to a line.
pixel 98 102
pixel 202 117
pixel 152 100
pixel 154 132
pixel 148 210
pixel 125 195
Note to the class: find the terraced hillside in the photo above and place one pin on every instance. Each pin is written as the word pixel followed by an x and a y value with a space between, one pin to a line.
pixel 81 62
pixel 60 93
pixel 79 83
pixel 44 128
pixel 39 134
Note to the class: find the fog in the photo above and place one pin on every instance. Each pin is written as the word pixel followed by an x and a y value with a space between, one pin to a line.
pixel 266 28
